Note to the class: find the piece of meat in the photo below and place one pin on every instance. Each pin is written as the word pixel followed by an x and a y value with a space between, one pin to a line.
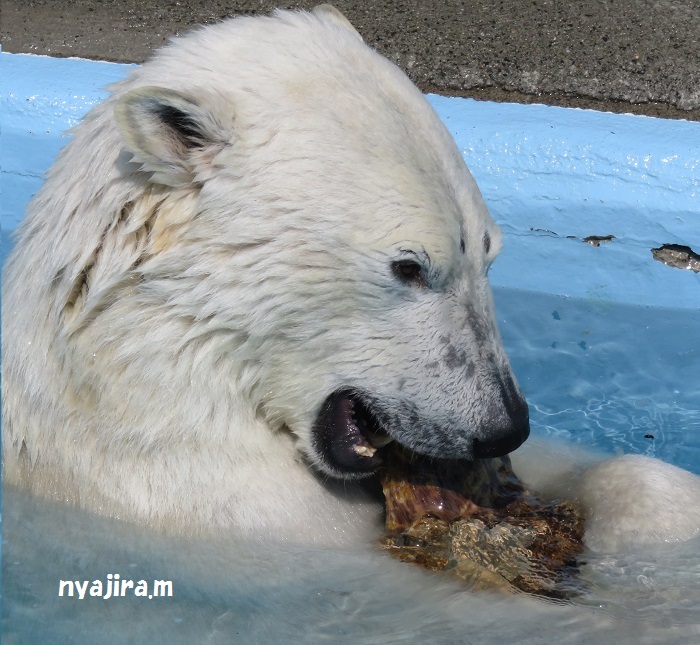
pixel 477 520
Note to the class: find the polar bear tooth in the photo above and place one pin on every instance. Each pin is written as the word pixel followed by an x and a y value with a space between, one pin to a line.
pixel 364 450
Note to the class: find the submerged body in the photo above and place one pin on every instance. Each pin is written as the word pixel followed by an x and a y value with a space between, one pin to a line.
pixel 257 263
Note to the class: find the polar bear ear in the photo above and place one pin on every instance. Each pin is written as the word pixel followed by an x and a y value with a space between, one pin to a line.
pixel 170 133
pixel 330 12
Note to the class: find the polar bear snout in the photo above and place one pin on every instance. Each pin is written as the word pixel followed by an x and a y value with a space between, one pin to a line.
pixel 508 426
pixel 487 418
pixel 352 428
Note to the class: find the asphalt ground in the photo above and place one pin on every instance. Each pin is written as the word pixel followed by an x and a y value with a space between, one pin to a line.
pixel 638 56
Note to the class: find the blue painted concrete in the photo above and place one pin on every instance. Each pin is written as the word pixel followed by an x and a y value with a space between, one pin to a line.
pixel 559 175
pixel 550 176
pixel 40 99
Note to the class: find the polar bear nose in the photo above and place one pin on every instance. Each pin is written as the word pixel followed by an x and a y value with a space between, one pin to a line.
pixel 508 426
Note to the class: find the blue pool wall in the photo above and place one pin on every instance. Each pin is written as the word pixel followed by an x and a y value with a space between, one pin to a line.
pixel 550 176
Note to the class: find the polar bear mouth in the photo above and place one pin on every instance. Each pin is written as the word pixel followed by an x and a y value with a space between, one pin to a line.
pixel 347 435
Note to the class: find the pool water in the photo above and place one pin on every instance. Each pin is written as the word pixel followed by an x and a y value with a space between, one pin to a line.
pixel 607 376
pixel 227 592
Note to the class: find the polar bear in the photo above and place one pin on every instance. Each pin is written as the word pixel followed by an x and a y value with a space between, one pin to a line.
pixel 259 261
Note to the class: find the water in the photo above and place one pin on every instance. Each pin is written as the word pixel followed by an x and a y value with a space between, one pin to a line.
pixel 612 377
pixel 226 592
pixel 608 377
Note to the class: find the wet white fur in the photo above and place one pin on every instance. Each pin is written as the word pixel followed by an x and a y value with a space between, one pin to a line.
pixel 628 501
pixel 161 360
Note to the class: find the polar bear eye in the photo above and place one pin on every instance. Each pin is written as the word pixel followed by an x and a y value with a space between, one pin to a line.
pixel 408 271
pixel 487 243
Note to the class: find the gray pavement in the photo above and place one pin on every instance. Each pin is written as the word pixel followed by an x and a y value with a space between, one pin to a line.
pixel 640 56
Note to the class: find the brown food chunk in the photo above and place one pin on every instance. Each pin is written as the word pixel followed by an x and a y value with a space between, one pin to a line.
pixel 477 520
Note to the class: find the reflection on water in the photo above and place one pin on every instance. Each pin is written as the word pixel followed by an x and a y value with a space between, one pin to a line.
pixel 609 377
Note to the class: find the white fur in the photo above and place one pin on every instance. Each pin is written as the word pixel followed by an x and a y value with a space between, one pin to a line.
pixel 637 500
pixel 175 315
pixel 627 501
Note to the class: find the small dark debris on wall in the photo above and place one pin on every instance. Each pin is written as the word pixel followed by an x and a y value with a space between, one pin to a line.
pixel 678 256
pixel 597 240
pixel 593 240
pixel 544 230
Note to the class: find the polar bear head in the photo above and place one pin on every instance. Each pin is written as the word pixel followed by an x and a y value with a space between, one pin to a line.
pixel 321 230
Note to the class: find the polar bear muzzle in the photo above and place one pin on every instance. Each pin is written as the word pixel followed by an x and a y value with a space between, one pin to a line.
pixel 352 429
